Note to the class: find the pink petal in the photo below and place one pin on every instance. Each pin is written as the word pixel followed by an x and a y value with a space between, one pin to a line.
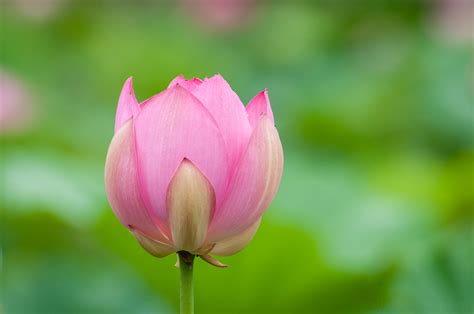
pixel 253 185
pixel 229 113
pixel 190 85
pixel 121 183
pixel 259 106
pixel 231 245
pixel 172 127
pixel 127 105
pixel 152 100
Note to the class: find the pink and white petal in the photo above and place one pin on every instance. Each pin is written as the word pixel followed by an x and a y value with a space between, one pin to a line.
pixel 190 85
pixel 253 185
pixel 259 106
pixel 229 112
pixel 121 183
pixel 128 106
pixel 172 127
pixel 155 248
pixel 231 245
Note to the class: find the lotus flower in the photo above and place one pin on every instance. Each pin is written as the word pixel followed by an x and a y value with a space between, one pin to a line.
pixel 191 169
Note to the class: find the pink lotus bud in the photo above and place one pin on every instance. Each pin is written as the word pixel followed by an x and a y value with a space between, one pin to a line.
pixel 191 168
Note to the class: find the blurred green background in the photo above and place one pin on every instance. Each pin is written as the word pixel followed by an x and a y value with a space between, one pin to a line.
pixel 374 104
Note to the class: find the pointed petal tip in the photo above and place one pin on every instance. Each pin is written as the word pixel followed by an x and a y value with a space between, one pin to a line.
pixel 259 107
pixel 218 78
pixel 263 94
pixel 187 84
pixel 128 106
pixel 128 86
pixel 176 80
pixel 177 88
pixel 212 261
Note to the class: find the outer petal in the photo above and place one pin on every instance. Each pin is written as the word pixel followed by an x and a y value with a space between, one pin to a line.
pixel 173 127
pixel 190 85
pixel 153 247
pixel 190 202
pixel 127 105
pixel 211 260
pixel 229 112
pixel 259 106
pixel 121 183
pixel 234 244
pixel 253 185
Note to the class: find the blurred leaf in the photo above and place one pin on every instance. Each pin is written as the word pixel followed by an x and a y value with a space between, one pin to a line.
pixel 357 227
pixel 45 181
pixel 437 278
pixel 57 269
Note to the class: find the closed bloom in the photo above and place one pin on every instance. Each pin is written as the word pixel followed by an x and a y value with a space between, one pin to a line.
pixel 192 169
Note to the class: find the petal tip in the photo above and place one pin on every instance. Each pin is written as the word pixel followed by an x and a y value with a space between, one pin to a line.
pixel 176 80
pixel 179 89
pixel 259 107
pixel 218 78
pixel 128 106
pixel 128 85
pixel 187 84
pixel 212 261
pixel 264 95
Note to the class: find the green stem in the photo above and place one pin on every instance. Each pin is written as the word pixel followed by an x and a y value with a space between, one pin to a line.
pixel 186 260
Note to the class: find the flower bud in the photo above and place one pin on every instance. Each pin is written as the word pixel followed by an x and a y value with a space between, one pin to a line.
pixel 192 169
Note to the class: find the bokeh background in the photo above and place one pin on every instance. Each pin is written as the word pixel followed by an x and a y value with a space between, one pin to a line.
pixel 373 100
